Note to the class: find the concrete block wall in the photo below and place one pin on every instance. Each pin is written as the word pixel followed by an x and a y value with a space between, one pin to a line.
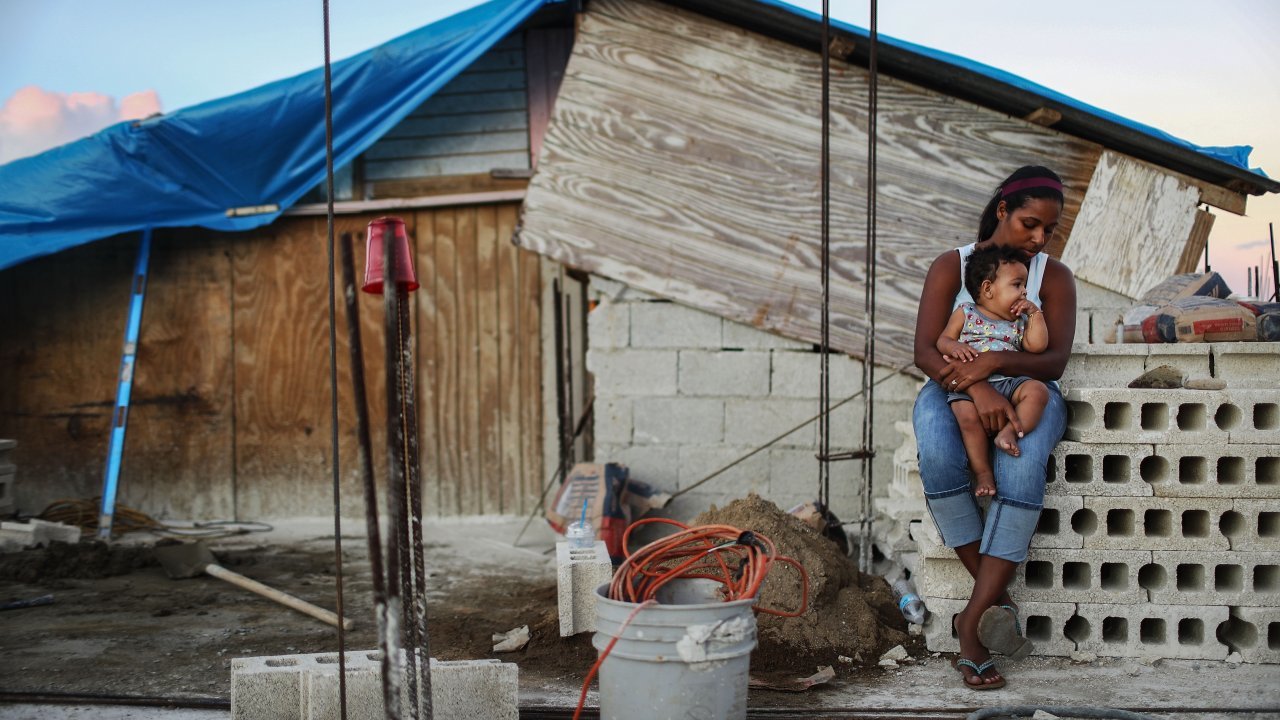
pixel 1160 533
pixel 680 393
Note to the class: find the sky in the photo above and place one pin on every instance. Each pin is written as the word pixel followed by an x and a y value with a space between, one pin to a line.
pixel 1206 72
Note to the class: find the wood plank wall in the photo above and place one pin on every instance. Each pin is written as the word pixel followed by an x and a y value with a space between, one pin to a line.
pixel 230 410
pixel 682 158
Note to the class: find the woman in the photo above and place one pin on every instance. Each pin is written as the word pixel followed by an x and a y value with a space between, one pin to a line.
pixel 1022 214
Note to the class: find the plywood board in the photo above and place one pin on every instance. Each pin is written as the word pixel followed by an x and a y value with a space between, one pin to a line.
pixel 683 159
pixel 1134 226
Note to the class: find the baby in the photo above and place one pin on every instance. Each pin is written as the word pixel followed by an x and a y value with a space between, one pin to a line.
pixel 1001 319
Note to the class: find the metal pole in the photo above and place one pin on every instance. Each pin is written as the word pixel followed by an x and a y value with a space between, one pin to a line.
pixel 395 485
pixel 124 389
pixel 1275 265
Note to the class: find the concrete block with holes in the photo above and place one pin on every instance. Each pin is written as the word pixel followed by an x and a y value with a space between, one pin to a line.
pixel 579 571
pixel 1220 471
pixel 1120 523
pixel 460 690
pixel 1181 417
pixel 1149 630
pixel 1099 469
pixel 1106 366
pixel 1247 364
pixel 1096 576
pixel 318 692
pixel 1254 524
pixel 1254 632
pixel 1213 578
pixel 1042 622
pixel 269 688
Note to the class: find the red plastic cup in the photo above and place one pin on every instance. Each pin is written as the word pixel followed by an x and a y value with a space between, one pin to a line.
pixel 378 230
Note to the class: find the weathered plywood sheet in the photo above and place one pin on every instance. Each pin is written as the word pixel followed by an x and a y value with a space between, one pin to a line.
pixel 1134 226
pixel 683 158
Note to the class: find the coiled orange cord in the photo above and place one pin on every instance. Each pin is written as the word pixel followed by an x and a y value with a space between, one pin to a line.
pixel 738 559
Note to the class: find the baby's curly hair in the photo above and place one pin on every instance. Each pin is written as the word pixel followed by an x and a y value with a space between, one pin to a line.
pixel 984 263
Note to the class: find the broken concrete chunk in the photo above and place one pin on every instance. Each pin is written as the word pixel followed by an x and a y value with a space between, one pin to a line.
pixel 886 663
pixel 896 653
pixel 1044 715
pixel 1083 657
pixel 1165 377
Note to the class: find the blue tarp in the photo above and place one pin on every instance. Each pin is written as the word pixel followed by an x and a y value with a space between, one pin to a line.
pixel 264 146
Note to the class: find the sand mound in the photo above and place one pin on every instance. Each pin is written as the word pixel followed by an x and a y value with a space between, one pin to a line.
pixel 849 613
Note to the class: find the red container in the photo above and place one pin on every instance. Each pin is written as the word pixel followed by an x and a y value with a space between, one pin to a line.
pixel 379 230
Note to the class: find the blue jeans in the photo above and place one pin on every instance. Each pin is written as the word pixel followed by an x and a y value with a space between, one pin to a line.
pixel 944 468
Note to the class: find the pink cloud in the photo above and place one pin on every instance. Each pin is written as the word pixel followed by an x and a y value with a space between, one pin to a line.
pixel 33 120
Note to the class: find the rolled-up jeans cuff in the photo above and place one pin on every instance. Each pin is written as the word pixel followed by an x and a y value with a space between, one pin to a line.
pixel 955 513
pixel 1009 527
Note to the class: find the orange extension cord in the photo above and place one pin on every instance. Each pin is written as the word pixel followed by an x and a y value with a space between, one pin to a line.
pixel 701 552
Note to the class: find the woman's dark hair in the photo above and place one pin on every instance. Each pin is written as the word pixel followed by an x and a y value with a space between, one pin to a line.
pixel 1025 175
pixel 984 263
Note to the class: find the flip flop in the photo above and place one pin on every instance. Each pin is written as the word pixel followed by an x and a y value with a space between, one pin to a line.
pixel 960 662
pixel 1000 631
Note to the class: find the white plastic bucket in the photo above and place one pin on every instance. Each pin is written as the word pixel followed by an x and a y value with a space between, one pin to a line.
pixel 683 659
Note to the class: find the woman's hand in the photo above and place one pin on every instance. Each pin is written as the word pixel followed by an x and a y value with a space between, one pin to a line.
pixel 958 375
pixel 993 409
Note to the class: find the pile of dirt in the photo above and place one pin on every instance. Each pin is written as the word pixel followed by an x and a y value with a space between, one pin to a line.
pixel 850 614
pixel 60 560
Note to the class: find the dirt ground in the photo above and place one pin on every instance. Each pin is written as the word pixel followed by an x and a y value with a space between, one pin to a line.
pixel 119 626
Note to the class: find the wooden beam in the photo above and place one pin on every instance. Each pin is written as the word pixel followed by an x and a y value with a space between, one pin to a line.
pixel 414 203
pixel 1190 259
pixel 1048 117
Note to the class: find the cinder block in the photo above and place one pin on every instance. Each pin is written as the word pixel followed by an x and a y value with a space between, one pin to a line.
pixel 609 325
pixel 1183 417
pixel 579 571
pixel 755 422
pixel 658 465
pixel 793 472
pixel 669 325
pixel 613 420
pixel 744 337
pixel 1055 528
pixel 798 375
pixel 679 420
pixel 1099 469
pixel 749 475
pixel 268 688
pixel 1098 576
pixel 1219 471
pixel 892 526
pixel 1043 623
pixel 1118 523
pixel 1192 359
pixel 1213 578
pixel 1254 633
pixel 475 690
pixel 318 693
pixel 1247 364
pixel 1253 525
pixel 42 532
pixel 633 372
pixel 1148 630
pixel 1104 366
pixel 724 373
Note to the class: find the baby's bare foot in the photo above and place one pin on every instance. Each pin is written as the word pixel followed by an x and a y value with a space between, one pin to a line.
pixel 984 484
pixel 1007 440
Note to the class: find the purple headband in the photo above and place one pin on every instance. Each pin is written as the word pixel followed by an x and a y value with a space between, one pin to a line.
pixel 1028 184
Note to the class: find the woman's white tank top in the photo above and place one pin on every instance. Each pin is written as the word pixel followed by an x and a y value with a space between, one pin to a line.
pixel 1035 274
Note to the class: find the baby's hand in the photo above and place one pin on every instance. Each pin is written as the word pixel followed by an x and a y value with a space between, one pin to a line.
pixel 1023 307
pixel 956 350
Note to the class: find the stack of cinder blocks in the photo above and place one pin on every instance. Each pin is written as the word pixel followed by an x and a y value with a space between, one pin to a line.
pixel 305 687
pixel 904 506
pixel 579 571
pixel 1160 534
pixel 7 472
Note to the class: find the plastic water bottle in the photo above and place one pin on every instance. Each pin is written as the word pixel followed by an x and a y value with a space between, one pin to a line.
pixel 580 535
pixel 909 602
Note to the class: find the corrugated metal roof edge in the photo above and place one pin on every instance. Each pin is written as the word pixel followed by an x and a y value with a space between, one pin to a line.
pixel 793 25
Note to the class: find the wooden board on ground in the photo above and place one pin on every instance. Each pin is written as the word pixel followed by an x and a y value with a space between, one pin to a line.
pixel 683 159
